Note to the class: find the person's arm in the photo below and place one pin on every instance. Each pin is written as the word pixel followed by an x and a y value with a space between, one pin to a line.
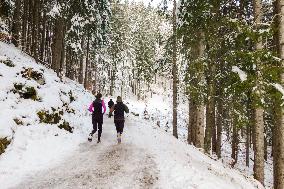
pixel 112 109
pixel 126 109
pixel 104 106
pixel 91 108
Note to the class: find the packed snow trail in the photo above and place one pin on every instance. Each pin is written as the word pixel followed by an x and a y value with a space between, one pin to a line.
pixel 103 165
pixel 147 158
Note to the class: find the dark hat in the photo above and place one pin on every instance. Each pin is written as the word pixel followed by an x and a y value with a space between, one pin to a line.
pixel 119 99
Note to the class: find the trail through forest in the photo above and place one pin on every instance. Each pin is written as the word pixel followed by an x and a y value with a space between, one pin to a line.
pixel 103 165
pixel 147 158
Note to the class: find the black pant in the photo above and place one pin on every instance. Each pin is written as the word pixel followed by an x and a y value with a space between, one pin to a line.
pixel 119 126
pixel 97 125
pixel 110 114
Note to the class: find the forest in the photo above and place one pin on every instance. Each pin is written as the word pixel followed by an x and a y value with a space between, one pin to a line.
pixel 224 59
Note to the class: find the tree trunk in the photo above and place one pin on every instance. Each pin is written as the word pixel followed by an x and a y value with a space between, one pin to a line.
pixel 219 123
pixel 68 61
pixel 200 126
pixel 247 144
pixel 30 28
pixel 210 132
pixel 235 142
pixel 16 27
pixel 112 80
pixel 25 24
pixel 259 122
pixel 191 122
pixel 200 105
pixel 43 37
pixel 63 55
pixel 265 147
pixel 278 147
pixel 95 77
pixel 35 32
pixel 86 81
pixel 57 44
pixel 47 44
pixel 174 70
pixel 259 146
pixel 81 69
pixel 248 127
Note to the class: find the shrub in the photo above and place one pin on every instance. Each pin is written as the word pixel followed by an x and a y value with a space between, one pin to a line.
pixel 25 92
pixel 4 142
pixel 71 97
pixel 65 125
pixel 18 121
pixel 50 118
pixel 7 62
pixel 54 118
pixel 29 73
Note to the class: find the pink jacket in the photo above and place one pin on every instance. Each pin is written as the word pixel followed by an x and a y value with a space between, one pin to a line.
pixel 92 106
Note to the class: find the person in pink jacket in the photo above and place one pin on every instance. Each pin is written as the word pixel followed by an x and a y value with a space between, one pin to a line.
pixel 98 108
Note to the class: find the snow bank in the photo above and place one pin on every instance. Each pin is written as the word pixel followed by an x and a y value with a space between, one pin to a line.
pixel 35 145
pixel 184 166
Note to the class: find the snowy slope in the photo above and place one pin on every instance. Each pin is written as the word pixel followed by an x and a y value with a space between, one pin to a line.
pixel 36 145
pixel 43 156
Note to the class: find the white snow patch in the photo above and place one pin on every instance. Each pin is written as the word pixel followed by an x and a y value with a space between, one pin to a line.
pixel 280 88
pixel 241 73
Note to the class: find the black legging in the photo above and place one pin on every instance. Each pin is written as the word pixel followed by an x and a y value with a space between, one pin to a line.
pixel 97 125
pixel 119 126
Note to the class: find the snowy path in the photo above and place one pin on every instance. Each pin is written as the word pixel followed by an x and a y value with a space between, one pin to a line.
pixel 147 158
pixel 104 165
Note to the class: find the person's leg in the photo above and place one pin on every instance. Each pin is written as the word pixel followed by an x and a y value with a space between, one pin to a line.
pixel 121 127
pixel 116 123
pixel 100 129
pixel 95 127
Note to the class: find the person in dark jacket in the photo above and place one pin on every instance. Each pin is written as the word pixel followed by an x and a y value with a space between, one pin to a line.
pixel 119 108
pixel 110 104
pixel 97 116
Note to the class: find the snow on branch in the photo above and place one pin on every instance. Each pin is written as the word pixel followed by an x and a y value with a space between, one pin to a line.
pixel 241 73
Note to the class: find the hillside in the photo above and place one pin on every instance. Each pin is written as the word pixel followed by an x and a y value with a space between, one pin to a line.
pixel 34 143
pixel 46 122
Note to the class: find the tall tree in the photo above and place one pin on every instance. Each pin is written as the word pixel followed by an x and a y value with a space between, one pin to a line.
pixel 259 122
pixel 200 106
pixel 57 44
pixel 278 146
pixel 24 24
pixel 174 70
pixel 16 27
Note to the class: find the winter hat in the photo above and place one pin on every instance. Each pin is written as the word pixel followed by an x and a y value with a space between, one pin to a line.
pixel 99 95
pixel 119 99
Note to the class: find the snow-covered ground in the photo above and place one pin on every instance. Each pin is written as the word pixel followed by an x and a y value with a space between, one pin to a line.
pixel 147 158
pixel 34 145
pixel 159 112
pixel 43 156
